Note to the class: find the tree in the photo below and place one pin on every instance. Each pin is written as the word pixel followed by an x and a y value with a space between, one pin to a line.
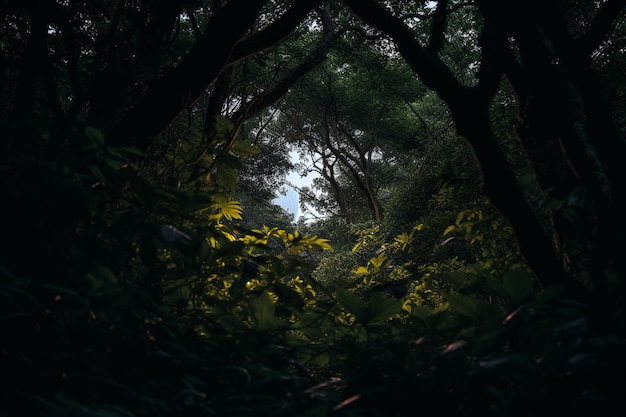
pixel 349 118
pixel 131 284
pixel 469 105
pixel 185 82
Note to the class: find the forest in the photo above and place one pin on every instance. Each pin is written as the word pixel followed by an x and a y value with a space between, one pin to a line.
pixel 456 252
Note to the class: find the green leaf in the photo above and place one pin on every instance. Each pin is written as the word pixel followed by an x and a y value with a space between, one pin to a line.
pixel 101 280
pixel 421 312
pixel 463 304
pixel 94 135
pixel 382 307
pixel 244 149
pixel 97 173
pixel 226 177
pixel 230 161
pixel 455 278
pixel 223 126
pixel 517 285
pixel 104 273
pixel 263 311
pixel 131 150
pixel 353 303
pixel 551 293
pixel 192 202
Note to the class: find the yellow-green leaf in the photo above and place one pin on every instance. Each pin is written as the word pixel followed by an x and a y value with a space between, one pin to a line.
pixel 245 149
pixel 403 239
pixel 380 261
pixel 231 210
pixel 361 271
pixel 319 243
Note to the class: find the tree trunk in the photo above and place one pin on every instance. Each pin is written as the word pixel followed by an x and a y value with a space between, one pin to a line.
pixel 501 187
pixel 181 87
pixel 469 107
pixel 222 43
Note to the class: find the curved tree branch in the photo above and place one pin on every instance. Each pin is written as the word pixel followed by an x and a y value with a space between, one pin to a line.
pixel 270 96
pixel 182 86
pixel 470 110
pixel 219 46
pixel 274 33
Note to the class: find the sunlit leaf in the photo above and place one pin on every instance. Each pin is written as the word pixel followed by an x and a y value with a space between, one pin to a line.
pixel 459 218
pixel 231 210
pixel 361 271
pixel 319 243
pixel 403 239
pixel 244 149
pixel 380 261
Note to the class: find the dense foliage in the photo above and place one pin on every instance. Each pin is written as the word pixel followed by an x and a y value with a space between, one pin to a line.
pixel 468 259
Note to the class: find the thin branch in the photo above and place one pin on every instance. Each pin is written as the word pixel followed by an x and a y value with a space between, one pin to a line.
pixel 274 33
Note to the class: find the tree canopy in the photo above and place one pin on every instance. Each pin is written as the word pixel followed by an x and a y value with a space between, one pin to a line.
pixel 467 258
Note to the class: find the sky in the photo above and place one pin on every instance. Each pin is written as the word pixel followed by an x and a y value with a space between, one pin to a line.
pixel 290 201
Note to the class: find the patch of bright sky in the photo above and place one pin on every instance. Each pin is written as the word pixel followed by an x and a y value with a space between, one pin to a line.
pixel 290 201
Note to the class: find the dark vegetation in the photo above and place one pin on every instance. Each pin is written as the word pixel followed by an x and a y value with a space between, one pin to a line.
pixel 466 253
